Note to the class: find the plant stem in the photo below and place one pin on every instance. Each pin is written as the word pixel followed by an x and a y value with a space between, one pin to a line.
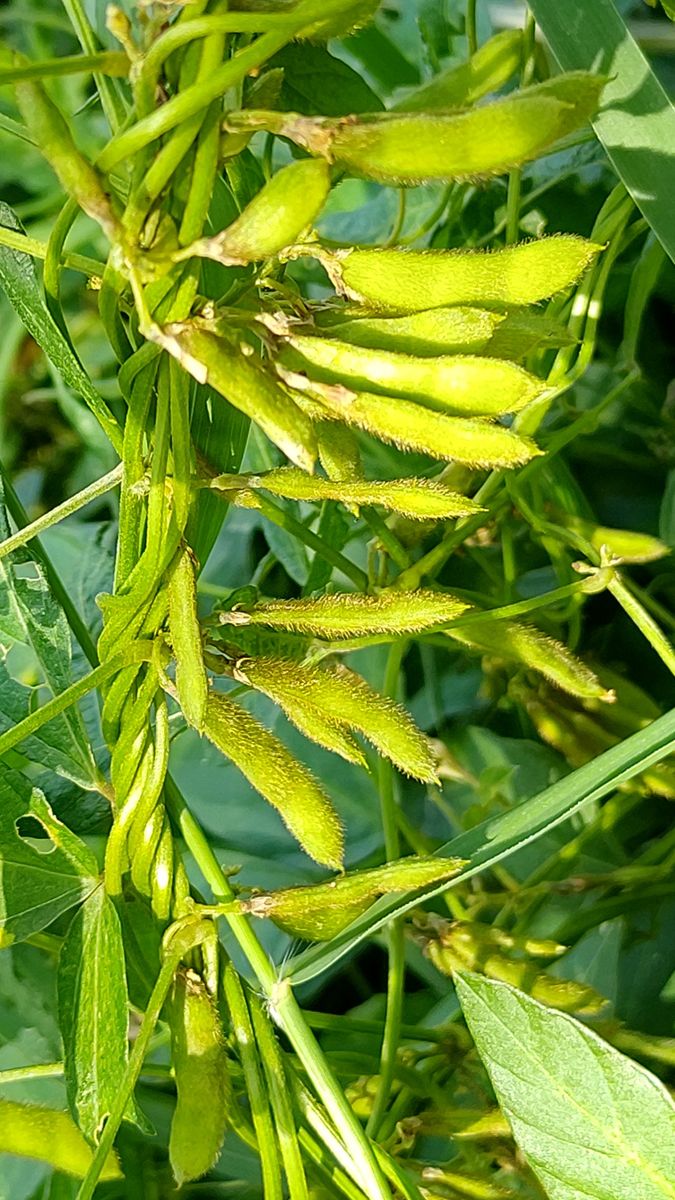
pixel 471 27
pixel 28 245
pixel 285 520
pixel 107 62
pixel 37 1071
pixel 92 492
pixel 644 621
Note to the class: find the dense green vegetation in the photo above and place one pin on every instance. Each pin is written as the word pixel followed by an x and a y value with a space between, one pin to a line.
pixel 337 501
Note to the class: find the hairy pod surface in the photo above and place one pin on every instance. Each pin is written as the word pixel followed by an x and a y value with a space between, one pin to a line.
pixel 413 427
pixel 339 452
pixel 353 614
pixel 341 694
pixel 418 499
pixel 191 678
pixel 283 209
pixel 321 911
pixel 463 385
pixel 407 281
pixel 436 331
pixel 528 645
pixel 284 782
pixel 247 386
pixel 50 1136
pixel 204 1092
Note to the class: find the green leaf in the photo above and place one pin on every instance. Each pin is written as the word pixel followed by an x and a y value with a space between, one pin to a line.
pixel 591 1122
pixel 636 121
pixel 317 82
pixel 93 1012
pixel 37 885
pixel 19 281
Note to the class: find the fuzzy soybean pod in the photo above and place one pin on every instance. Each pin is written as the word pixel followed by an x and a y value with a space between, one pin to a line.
pixel 339 694
pixel 49 1136
pixel 236 376
pixel 412 426
pixel 339 452
pixel 407 281
pixel 487 70
pixel 52 135
pixel 417 499
pixel 465 385
pixel 191 678
pixel 321 911
pixel 354 614
pixel 458 330
pixel 528 645
pixel 284 782
pixel 204 1092
pixel 282 210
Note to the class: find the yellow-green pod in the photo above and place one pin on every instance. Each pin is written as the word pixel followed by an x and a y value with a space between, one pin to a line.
pixel 354 614
pixel 352 15
pixel 422 147
pixel 521 332
pixel 52 135
pixel 281 212
pixel 273 771
pixel 418 499
pixel 465 385
pixel 493 64
pixel 435 331
pixel 49 1136
pixel 321 911
pixel 528 645
pixel 627 544
pixel 283 681
pixel 400 281
pixel 339 452
pixel 414 427
pixel 339 693
pixel 247 386
pixel 204 1092
pixel 191 678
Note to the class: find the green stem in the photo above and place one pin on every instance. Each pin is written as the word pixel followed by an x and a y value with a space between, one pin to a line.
pixel 280 1100
pixel 106 62
pixel 76 502
pixel 285 520
pixel 28 245
pixel 516 176
pixel 37 1071
pixel 111 101
pixel 644 621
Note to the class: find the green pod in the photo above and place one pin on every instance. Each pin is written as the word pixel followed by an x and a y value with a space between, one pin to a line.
pixel 247 386
pixel 459 330
pixel 338 693
pixel 408 281
pixel 282 680
pixel 51 1137
pixel 273 771
pixel 418 499
pixel 413 427
pixel 283 209
pixel 204 1092
pixel 521 332
pixel 52 135
pixel 321 911
pixel 423 147
pixel 354 15
pixel 528 645
pixel 464 385
pixel 488 69
pixel 339 452
pixel 354 614
pixel 186 639
pixel 626 544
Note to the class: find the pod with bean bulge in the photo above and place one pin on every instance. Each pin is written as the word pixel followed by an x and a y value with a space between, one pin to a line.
pixel 420 147
pixel 191 677
pixel 204 1092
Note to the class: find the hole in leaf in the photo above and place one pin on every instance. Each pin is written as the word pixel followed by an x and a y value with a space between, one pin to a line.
pixel 30 830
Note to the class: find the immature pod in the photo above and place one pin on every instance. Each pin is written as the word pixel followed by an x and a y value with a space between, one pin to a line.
pixel 321 911
pixel 247 386
pixel 407 281
pixel 464 385
pixel 629 545
pixel 422 147
pixel 50 1136
pixel 528 645
pixel 353 614
pixel 521 332
pixel 204 1091
pixel 339 452
pixel 273 771
pixel 191 678
pixel 487 70
pixel 459 330
pixel 413 427
pixel 282 210
pixel 418 499
pixel 52 135
pixel 338 693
